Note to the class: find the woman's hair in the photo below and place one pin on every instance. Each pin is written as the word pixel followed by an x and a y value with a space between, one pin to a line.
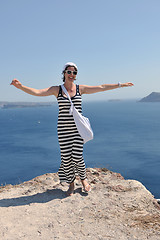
pixel 63 72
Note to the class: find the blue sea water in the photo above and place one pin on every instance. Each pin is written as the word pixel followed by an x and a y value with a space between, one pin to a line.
pixel 126 140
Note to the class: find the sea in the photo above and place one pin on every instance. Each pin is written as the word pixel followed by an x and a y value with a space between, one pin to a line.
pixel 126 140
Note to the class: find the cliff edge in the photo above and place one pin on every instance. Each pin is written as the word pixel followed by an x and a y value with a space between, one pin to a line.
pixel 116 209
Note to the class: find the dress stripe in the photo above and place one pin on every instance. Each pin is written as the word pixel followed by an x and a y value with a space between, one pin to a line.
pixel 71 143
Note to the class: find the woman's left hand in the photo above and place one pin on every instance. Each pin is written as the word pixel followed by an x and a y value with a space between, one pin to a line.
pixel 128 84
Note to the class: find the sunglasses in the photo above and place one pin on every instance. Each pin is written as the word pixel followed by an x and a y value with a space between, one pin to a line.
pixel 69 72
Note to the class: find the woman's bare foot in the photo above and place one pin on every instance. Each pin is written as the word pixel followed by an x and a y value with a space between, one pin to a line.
pixel 86 186
pixel 70 191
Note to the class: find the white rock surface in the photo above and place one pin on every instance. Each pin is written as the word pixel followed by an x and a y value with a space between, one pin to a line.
pixel 115 209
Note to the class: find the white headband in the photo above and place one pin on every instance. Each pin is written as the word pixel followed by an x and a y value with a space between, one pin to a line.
pixel 70 64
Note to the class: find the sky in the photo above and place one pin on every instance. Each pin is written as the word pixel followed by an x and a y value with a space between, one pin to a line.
pixel 111 41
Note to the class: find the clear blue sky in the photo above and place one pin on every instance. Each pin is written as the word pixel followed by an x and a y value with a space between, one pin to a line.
pixel 109 40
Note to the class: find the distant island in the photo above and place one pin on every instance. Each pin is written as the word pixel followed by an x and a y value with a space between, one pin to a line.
pixel 5 105
pixel 114 100
pixel 153 97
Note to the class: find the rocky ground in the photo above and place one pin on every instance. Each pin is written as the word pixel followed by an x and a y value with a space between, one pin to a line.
pixel 115 209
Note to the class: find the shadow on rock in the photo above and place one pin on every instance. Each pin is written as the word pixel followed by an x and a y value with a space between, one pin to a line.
pixel 44 197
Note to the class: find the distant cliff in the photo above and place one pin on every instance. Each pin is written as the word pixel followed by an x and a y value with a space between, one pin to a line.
pixel 24 104
pixel 153 97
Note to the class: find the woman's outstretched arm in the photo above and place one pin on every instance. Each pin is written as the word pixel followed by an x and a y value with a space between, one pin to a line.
pixel 36 92
pixel 85 89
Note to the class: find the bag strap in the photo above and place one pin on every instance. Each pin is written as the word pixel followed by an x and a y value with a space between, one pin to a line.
pixel 65 91
pixel 67 94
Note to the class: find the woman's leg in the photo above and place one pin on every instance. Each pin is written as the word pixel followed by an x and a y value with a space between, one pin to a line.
pixel 77 155
pixel 70 191
pixel 86 186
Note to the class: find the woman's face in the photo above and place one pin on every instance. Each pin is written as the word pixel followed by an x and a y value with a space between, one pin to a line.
pixel 69 74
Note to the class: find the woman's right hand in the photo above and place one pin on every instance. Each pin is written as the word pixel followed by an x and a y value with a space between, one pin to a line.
pixel 16 83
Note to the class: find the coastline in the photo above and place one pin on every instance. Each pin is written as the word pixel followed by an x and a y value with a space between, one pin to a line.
pixel 6 105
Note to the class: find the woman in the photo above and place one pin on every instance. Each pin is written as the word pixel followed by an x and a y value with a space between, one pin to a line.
pixel 71 143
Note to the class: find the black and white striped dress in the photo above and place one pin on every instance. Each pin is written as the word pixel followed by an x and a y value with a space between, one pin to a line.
pixel 71 143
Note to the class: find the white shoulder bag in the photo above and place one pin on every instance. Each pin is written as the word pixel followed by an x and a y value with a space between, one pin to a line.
pixel 82 123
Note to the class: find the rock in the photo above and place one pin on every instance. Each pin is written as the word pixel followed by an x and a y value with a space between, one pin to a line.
pixel 116 209
pixel 153 97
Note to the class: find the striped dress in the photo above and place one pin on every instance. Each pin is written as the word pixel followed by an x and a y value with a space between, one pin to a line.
pixel 71 143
